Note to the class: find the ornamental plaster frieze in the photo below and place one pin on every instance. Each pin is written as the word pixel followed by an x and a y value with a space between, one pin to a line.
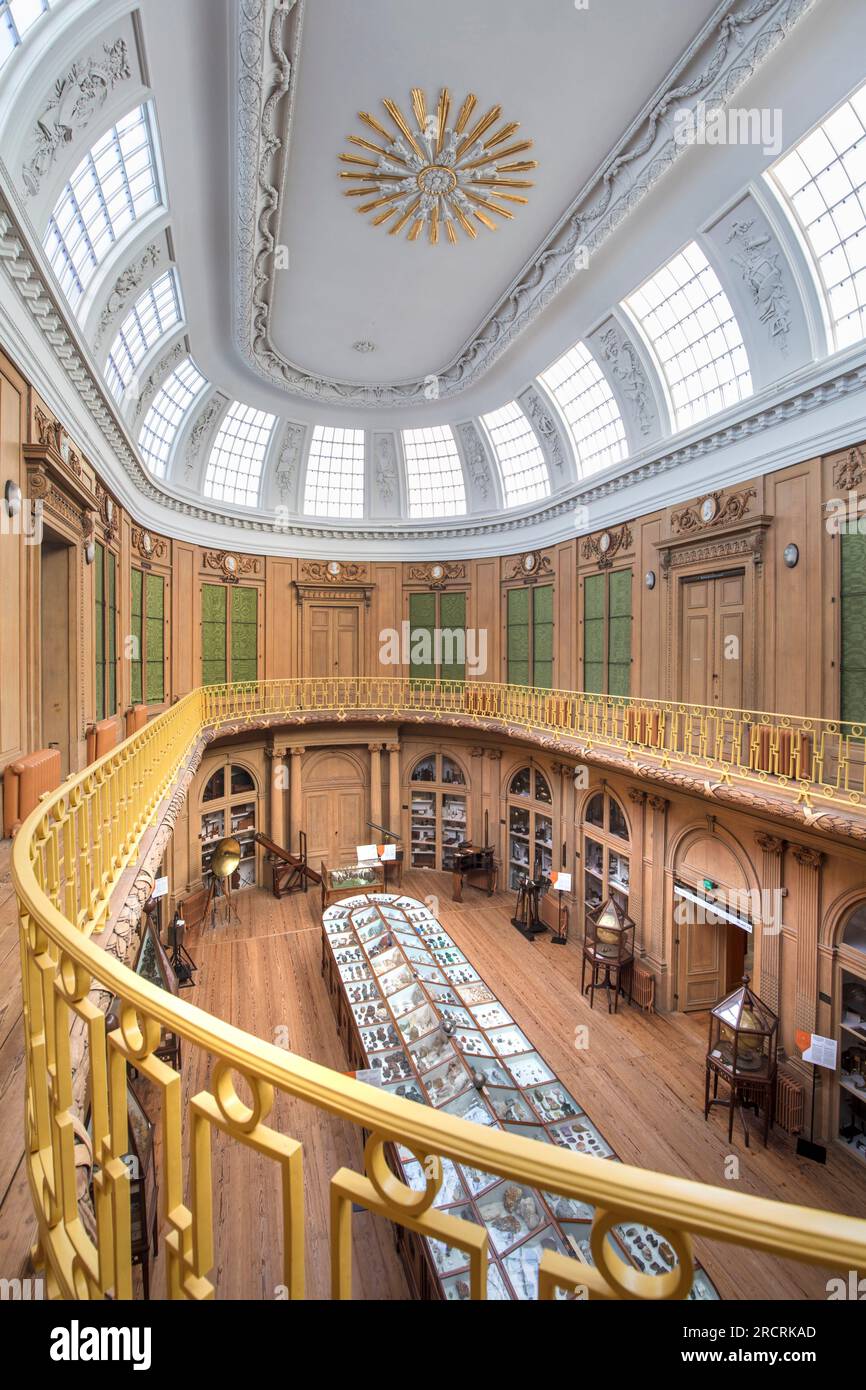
pixel 726 54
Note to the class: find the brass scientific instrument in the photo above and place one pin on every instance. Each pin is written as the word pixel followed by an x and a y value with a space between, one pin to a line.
pixel 226 858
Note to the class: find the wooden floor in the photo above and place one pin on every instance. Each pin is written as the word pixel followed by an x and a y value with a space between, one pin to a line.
pixel 640 1080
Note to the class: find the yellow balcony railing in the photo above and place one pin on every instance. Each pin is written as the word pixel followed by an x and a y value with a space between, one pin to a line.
pixel 68 859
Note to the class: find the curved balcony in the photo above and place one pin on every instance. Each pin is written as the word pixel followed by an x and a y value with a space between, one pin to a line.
pixel 84 842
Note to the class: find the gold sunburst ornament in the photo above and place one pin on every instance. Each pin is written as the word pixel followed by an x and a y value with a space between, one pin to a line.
pixel 434 176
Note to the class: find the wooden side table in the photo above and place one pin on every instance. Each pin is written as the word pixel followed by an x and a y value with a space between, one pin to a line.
pixel 746 1093
pixel 606 974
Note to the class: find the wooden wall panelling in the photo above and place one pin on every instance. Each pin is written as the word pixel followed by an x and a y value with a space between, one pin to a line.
pixel 565 617
pixel 387 613
pixel 185 621
pixel 485 603
pixel 282 658
pixel 15 730
pixel 843 483
pixel 649 665
pixel 794 638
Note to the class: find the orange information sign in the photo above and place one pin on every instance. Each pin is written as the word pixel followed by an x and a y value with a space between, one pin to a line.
pixel 803 1039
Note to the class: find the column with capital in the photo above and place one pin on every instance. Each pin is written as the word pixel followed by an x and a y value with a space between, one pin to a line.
pixel 296 798
pixel 654 931
pixel 491 805
pixel 808 862
pixel 277 755
pixel 395 818
pixel 769 953
pixel 375 750
pixel 635 881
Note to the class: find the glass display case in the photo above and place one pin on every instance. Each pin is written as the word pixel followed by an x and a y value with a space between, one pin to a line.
pixel 606 864
pixel 433 1032
pixel 530 830
pixel 852 1063
pixel 229 807
pixel 743 1034
pixel 438 822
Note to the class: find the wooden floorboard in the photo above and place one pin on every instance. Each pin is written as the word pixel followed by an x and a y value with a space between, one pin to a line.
pixel 640 1079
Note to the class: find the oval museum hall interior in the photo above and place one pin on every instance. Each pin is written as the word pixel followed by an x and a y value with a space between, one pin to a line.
pixel 433 650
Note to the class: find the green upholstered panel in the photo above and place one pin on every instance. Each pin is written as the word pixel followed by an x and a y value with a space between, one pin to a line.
pixel 422 624
pixel 99 628
pixel 452 620
pixel 137 634
pixel 853 676
pixel 594 587
pixel 245 634
pixel 213 633
pixel 111 632
pixel 619 634
pixel 518 637
pixel 542 636
pixel 155 638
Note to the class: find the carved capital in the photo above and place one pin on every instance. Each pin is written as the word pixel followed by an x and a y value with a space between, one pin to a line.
pixel 770 844
pixel 494 754
pixel 297 752
pixel 808 857
pixel 658 803
pixel 636 795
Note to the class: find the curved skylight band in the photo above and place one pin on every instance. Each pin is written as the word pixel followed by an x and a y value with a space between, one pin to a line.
pixel 234 469
pixel 580 389
pixel 688 319
pixel 334 483
pixel 434 473
pixel 113 186
pixel 516 446
pixel 154 314
pixel 166 415
pixel 16 18
pixel 823 182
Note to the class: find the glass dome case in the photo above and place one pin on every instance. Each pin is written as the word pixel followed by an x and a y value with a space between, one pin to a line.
pixel 744 1034
pixel 609 934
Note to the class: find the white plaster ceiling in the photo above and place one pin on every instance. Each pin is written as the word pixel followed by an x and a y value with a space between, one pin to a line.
pixel 574 78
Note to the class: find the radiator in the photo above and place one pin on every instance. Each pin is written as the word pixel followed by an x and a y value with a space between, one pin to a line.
pixel 790 1104
pixel 643 989
pixel 101 738
pixel 792 757
pixel 135 719
pixel 24 782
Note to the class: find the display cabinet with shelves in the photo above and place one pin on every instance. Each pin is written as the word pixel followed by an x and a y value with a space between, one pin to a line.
pixel 438 816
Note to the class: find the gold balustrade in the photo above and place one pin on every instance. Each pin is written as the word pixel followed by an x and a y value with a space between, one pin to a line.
pixel 67 861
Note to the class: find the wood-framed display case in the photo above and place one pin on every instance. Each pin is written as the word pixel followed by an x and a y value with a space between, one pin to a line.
pixel 529 826
pixel 606 853
pixel 851 1075
pixel 417 1019
pixel 230 806
pixel 143 1190
pixel 438 811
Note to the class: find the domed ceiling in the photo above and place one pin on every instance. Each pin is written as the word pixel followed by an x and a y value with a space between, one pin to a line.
pixel 403 273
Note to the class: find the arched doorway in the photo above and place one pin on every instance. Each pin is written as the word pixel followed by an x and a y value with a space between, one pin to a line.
pixel 335 807
pixel 713 908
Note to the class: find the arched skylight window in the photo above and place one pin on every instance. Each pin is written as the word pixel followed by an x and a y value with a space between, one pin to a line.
pixel 234 469
pixel 153 315
pixel 823 181
pixel 581 391
pixel 16 17
pixel 166 414
pixel 335 473
pixel 113 186
pixel 687 317
pixel 514 441
pixel 434 473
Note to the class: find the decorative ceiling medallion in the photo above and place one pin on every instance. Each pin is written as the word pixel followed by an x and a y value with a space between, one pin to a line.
pixel 334 570
pixel 148 546
pixel 529 567
pixel 434 177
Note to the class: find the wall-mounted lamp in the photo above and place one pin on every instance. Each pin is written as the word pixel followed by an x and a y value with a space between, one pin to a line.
pixel 12 498
pixel 791 555
pixel 90 552
pixel 650 579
